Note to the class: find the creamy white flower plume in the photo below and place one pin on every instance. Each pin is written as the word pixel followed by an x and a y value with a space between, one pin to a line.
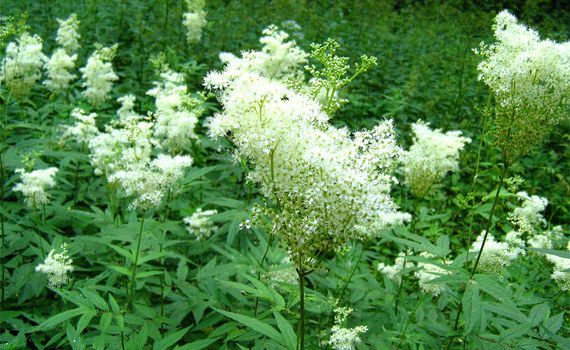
pixel 67 35
pixel 343 338
pixel 98 76
pixel 57 266
pixel 431 157
pixel 194 20
pixel 84 128
pixel 58 70
pixel 34 184
pixel 200 224
pixel 21 68
pixel 496 255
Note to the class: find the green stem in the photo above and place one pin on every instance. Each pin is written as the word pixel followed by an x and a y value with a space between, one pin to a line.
pixel 301 327
pixel 487 229
pixel 40 239
pixel 2 229
pixel 134 269
pixel 261 267
pixel 351 274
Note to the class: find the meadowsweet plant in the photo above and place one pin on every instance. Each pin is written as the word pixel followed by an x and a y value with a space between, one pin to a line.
pixel 21 67
pixel 98 75
pixel 427 272
pixel 57 266
pixel 67 34
pixel 343 338
pixel 84 129
pixel 561 273
pixel 496 254
pixel 34 185
pixel 331 73
pixel 529 79
pixel 177 112
pixel 58 71
pixel 194 20
pixel 200 224
pixel 278 59
pixel 432 155
pixel 326 185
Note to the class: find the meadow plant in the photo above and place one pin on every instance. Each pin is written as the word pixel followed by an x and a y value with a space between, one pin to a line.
pixel 432 155
pixel 21 68
pixel 98 75
pixel 34 185
pixel 57 266
pixel 194 20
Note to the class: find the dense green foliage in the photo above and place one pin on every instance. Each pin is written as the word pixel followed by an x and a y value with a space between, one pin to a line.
pixel 221 293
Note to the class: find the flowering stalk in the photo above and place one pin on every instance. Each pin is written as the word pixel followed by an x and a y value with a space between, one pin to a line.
pixel 2 232
pixel 134 269
pixel 301 326
pixel 487 229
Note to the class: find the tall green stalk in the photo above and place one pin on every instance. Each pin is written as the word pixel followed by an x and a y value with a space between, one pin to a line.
pixel 2 229
pixel 135 263
pixel 487 229
pixel 301 326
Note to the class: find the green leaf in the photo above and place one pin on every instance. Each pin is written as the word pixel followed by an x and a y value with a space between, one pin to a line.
pixel 497 290
pixel 170 339
pixel 289 336
pixel 472 307
pixel 197 345
pixel 255 324
pixel 58 318
pixel 539 313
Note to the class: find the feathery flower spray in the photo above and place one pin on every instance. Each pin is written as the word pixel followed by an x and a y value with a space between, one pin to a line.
pixel 57 266
pixel 98 75
pixel 194 20
pixel 34 184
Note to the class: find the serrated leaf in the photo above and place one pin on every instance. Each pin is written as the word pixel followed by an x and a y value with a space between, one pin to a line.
pixel 289 336
pixel 197 344
pixel 472 309
pixel 170 339
pixel 255 324
pixel 57 319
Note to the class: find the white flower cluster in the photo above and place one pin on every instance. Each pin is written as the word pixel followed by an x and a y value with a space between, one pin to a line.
pixel 497 255
pixel 67 35
pixel 279 59
pixel 84 128
pixel 393 271
pixel 175 116
pixel 200 224
pixel 427 272
pixel 329 186
pixel 124 154
pixel 431 157
pixel 547 239
pixel 194 20
pixel 561 274
pixel 58 70
pixel 63 60
pixel 57 266
pixel 345 338
pixel 99 75
pixel 147 185
pixel 528 217
pixel 21 68
pixel 531 82
pixel 34 184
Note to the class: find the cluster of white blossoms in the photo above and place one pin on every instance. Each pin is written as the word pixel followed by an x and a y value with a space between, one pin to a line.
pixel 328 186
pixel 496 254
pixel 393 271
pixel 57 266
pixel 34 184
pixel 98 75
pixel 283 273
pixel 530 79
pixel 561 274
pixel 343 338
pixel 21 68
pixel 528 217
pixel 279 59
pixel 432 155
pixel 427 272
pixel 67 35
pixel 63 59
pixel 148 185
pixel 194 20
pixel 176 114
pixel 126 154
pixel 84 128
pixel 200 224
pixel 58 70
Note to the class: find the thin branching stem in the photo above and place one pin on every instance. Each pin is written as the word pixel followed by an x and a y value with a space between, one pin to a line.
pixel 135 263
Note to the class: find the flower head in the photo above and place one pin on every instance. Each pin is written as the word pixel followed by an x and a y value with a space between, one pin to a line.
pixel 67 35
pixel 58 67
pixel 194 20
pixel 431 157
pixel 57 266
pixel 200 224
pixel 34 184
pixel 98 75
pixel 21 68
pixel 84 128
